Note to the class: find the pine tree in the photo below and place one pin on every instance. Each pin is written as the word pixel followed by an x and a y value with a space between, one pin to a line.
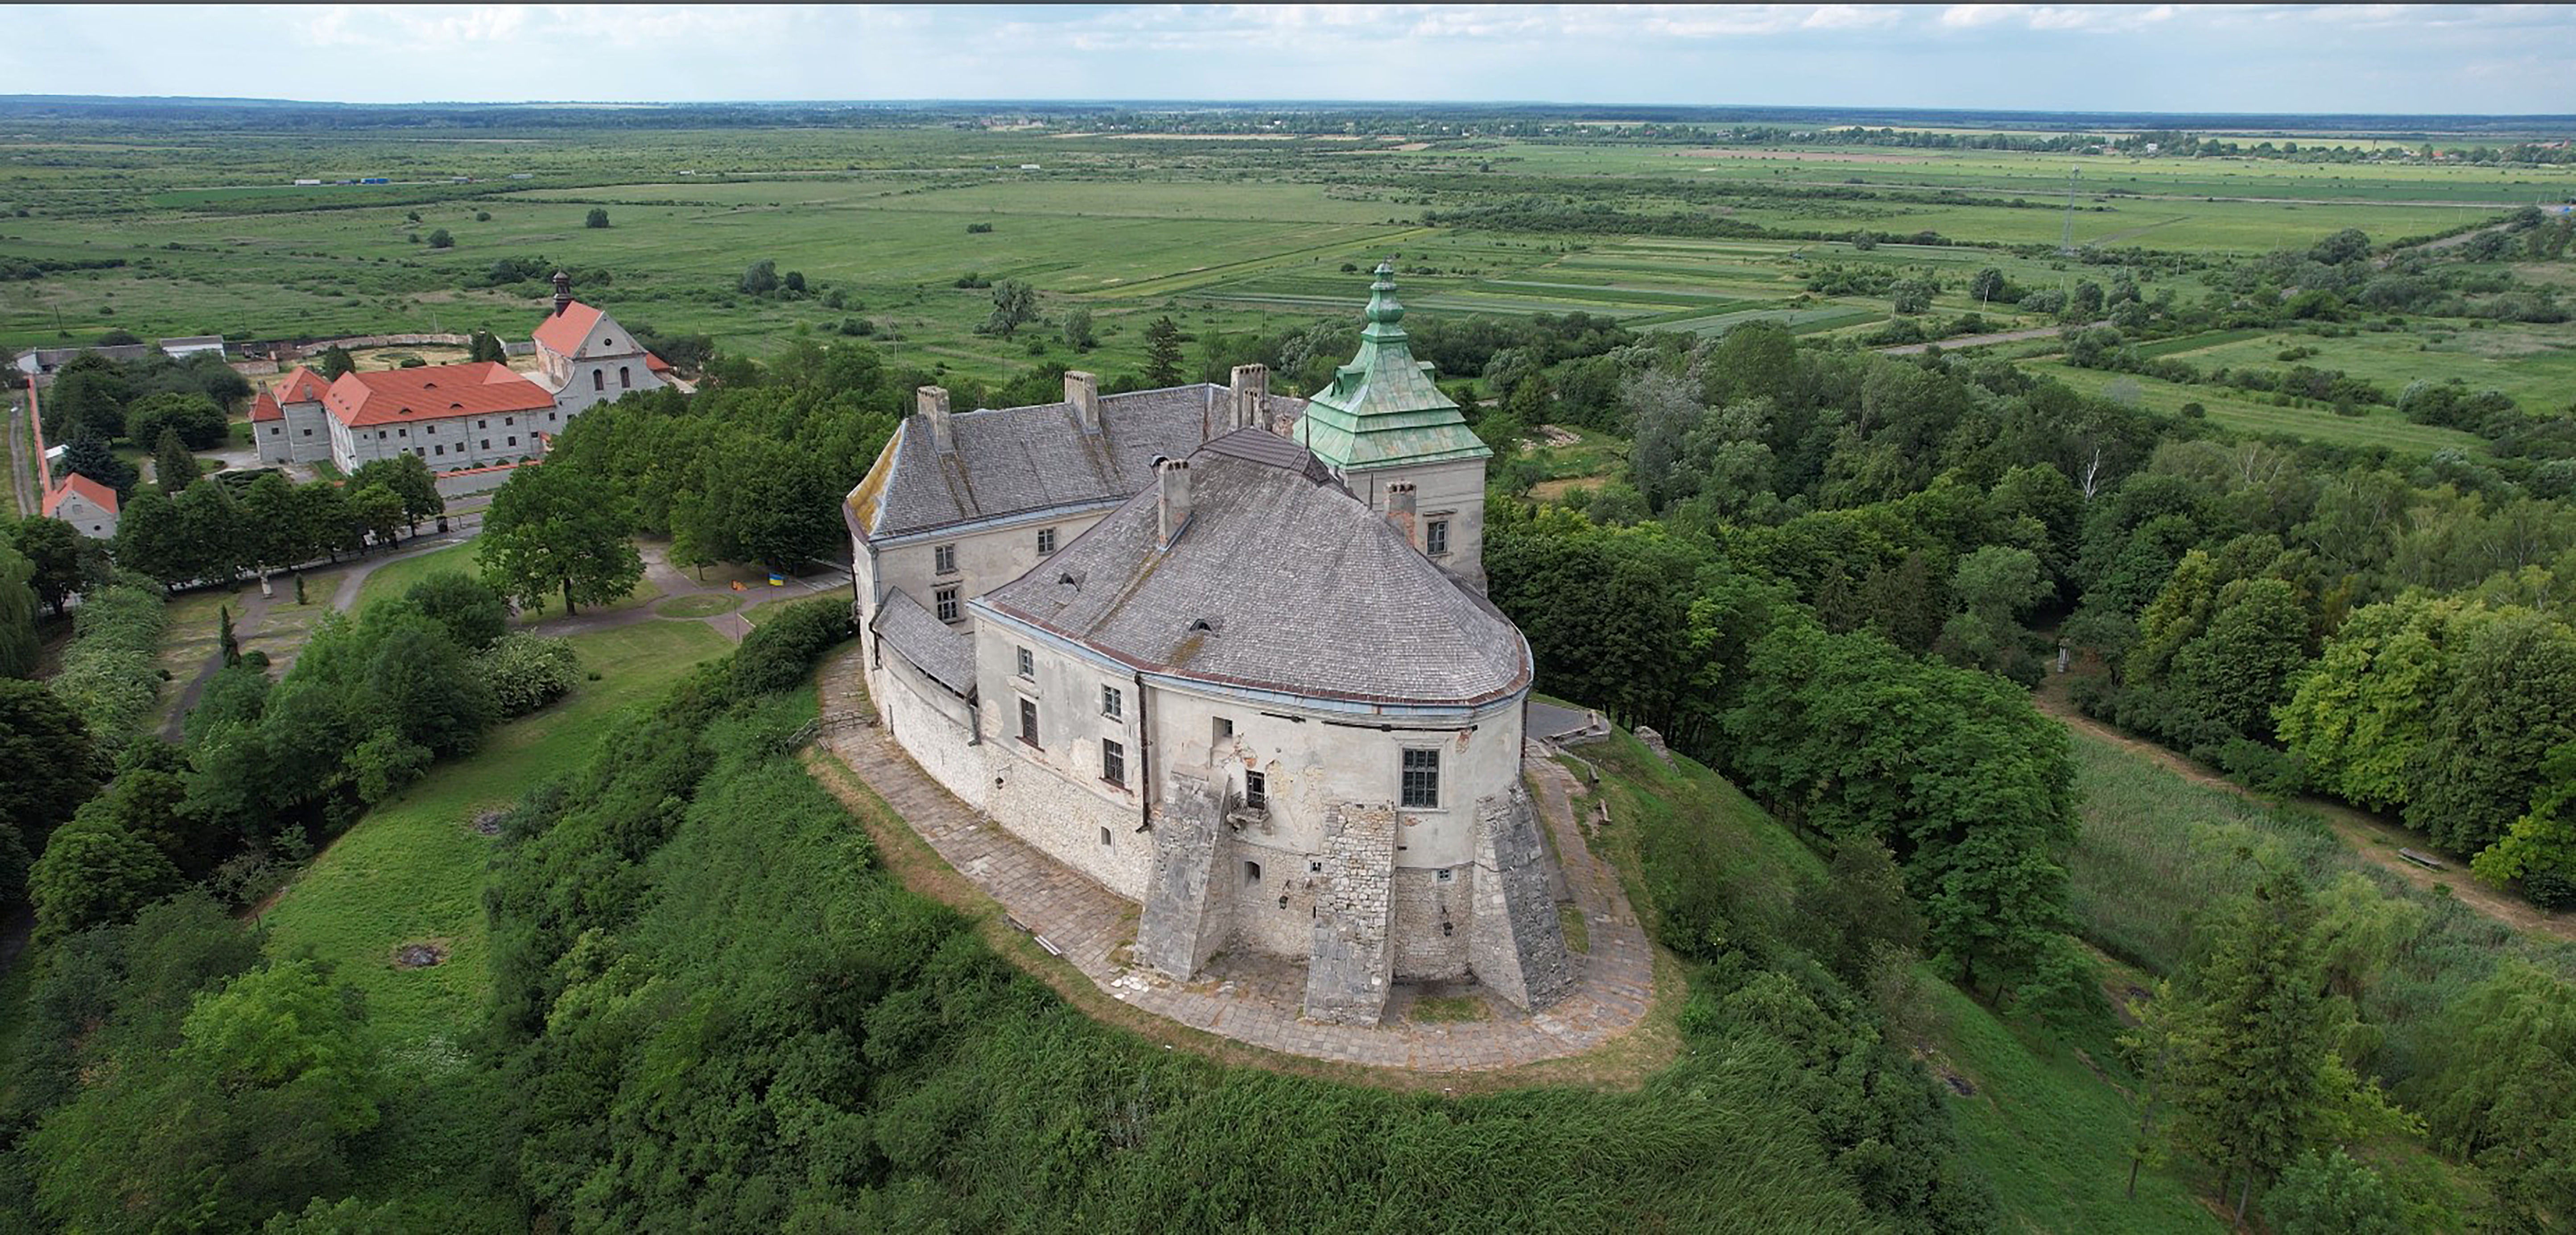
pixel 173 467
pixel 1162 354
pixel 224 638
pixel 336 361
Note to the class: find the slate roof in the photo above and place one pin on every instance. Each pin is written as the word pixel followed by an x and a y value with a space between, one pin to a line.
pixel 1280 581
pixel 403 395
pixel 1023 459
pixel 943 652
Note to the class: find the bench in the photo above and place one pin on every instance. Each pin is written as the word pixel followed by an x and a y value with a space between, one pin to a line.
pixel 2425 860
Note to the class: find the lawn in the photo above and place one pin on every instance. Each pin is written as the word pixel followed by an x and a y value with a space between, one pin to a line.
pixel 396 577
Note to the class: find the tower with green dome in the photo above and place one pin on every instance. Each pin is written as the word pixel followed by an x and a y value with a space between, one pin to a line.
pixel 1401 445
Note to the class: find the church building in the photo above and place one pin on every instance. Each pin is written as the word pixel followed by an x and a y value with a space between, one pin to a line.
pixel 1229 655
pixel 458 417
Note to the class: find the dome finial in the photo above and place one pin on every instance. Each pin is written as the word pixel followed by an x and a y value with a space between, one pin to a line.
pixel 1383 306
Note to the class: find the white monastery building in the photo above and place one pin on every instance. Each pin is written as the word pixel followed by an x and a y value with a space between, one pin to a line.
pixel 458 417
pixel 90 507
pixel 1229 655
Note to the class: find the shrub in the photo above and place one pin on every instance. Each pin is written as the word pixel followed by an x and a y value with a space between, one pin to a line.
pixel 598 217
pixel 526 672
pixel 782 651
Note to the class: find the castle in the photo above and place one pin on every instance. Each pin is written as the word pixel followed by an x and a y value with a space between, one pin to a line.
pixel 458 417
pixel 1228 654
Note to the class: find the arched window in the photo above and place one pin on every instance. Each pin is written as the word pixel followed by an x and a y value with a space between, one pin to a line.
pixel 599 379
pixel 625 381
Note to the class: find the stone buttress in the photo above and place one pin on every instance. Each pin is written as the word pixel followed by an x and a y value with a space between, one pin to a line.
pixel 1185 918
pixel 1515 943
pixel 1352 967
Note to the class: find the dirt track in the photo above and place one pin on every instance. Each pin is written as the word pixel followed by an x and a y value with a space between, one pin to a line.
pixel 2369 837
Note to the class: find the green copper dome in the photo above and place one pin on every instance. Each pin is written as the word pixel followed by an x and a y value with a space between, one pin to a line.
pixel 1383 410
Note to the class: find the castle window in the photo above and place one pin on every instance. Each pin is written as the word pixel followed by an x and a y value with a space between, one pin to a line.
pixel 1315 866
pixel 307 432
pixel 1028 722
pixel 624 382
pixel 1256 791
pixel 946 601
pixel 487 443
pixel 1046 541
pixel 943 559
pixel 1435 538
pixel 1445 875
pixel 1224 730
pixel 514 440
pixel 1251 872
pixel 599 379
pixel 1027 663
pixel 1113 763
pixel 380 435
pixel 1421 779
pixel 482 424
pixel 1104 838
pixel 1113 704
pixel 442 450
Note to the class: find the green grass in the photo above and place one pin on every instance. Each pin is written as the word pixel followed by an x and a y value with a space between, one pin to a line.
pixel 396 577
pixel 2378 426
pixel 1445 1010
pixel 698 606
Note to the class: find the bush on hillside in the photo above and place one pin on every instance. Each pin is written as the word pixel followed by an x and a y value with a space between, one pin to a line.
pixel 781 651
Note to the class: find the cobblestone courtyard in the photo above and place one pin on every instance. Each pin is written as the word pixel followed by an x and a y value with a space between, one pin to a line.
pixel 1255 999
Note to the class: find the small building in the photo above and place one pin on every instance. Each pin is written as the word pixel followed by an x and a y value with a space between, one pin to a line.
pixel 193 345
pixel 90 507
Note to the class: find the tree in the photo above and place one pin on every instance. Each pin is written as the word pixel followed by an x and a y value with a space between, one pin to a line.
pixel 283 1024
pixel 274 534
pixel 1162 353
pixel 1015 304
pixel 760 279
pixel 151 540
pixel 1078 332
pixel 1994 586
pixel 213 543
pixel 2233 673
pixel 483 345
pixel 228 646
pixel 88 398
pixel 2540 847
pixel 1861 911
pixel 88 455
pixel 1912 296
pixel 336 362
pixel 200 423
pixel 2511 700
pixel 60 557
pixel 2504 1093
pixel 408 478
pixel 597 218
pixel 441 239
pixel 2251 1051
pixel 173 467
pixel 93 872
pixel 53 768
pixel 18 644
pixel 1989 286
pixel 376 512
pixel 558 529
pixel 2328 1193
pixel 471 612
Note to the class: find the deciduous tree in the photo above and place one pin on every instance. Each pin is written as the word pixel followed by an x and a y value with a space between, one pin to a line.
pixel 559 530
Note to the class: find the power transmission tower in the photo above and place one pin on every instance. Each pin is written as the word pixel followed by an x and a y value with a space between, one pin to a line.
pixel 2066 235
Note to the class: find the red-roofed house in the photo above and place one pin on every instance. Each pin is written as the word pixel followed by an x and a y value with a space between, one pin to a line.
pixel 584 357
pixel 90 507
pixel 458 417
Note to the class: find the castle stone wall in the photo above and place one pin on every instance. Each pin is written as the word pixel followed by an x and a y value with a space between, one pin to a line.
pixel 1351 968
pixel 1516 945
pixel 1424 905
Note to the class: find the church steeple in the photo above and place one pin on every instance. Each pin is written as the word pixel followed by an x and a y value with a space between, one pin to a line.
pixel 1382 409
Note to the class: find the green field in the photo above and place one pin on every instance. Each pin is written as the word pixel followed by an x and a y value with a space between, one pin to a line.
pixel 2238 410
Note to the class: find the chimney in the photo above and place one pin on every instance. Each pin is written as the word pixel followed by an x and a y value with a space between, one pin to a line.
pixel 563 292
pixel 1251 396
pixel 1399 511
pixel 1082 390
pixel 933 401
pixel 1172 487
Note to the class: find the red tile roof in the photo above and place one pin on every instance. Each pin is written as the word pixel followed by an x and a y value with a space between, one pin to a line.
pixel 99 494
pixel 303 385
pixel 656 364
pixel 262 407
pixel 563 332
pixel 431 392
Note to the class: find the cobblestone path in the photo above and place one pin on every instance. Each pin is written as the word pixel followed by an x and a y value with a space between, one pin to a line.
pixel 1255 999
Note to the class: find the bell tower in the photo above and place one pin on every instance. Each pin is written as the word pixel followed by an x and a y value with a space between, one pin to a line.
pixel 1390 433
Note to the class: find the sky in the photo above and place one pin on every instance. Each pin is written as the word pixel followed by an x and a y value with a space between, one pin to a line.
pixel 2165 57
